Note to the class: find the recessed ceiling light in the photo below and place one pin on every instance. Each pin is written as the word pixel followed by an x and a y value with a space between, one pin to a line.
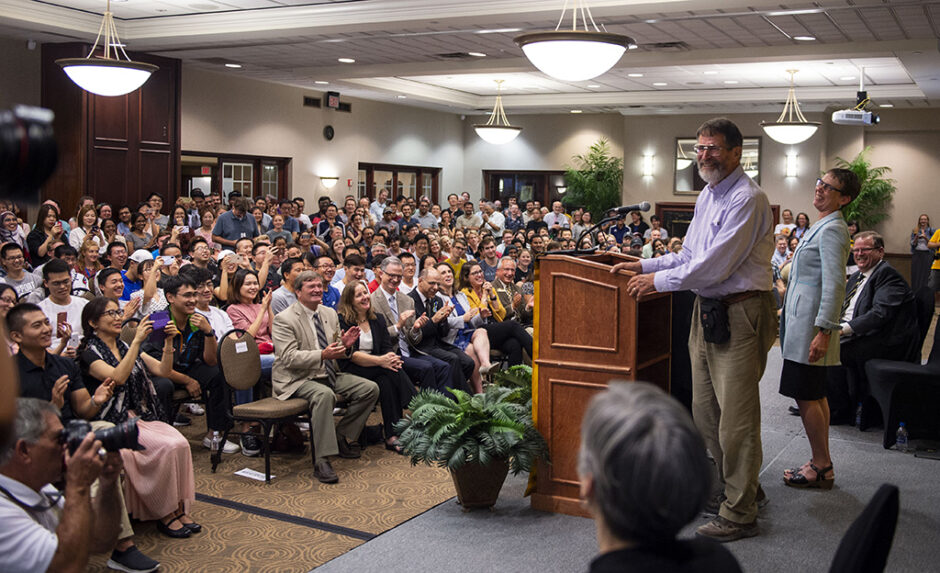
pixel 634 75
pixel 886 105
pixel 660 84
pixel 576 111
pixel 847 78
pixel 321 83
pixel 796 12
pixel 805 38
pixel 710 72
pixel 477 54
pixel 499 31
pixel 593 86
pixel 731 82
pixel 346 61
pixel 402 97
pixel 233 66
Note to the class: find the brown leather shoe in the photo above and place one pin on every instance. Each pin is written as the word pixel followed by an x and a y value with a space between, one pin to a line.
pixel 721 529
pixel 347 450
pixel 323 471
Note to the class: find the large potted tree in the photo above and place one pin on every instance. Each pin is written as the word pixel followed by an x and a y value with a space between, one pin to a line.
pixel 595 182
pixel 479 438
pixel 871 205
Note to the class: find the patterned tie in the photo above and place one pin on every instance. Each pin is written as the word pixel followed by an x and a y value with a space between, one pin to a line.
pixel 851 293
pixel 328 364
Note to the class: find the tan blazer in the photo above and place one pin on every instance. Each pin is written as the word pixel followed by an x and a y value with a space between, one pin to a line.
pixel 296 349
pixel 380 306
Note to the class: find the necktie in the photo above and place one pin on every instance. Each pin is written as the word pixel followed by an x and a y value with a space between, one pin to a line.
pixel 321 339
pixel 402 342
pixel 849 295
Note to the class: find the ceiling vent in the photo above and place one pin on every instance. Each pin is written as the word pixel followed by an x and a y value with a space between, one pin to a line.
pixel 312 101
pixel 667 47
pixel 455 56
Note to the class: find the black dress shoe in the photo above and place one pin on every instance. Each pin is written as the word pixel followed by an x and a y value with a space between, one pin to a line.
pixel 192 527
pixel 181 533
pixel 323 471
pixel 793 410
pixel 347 450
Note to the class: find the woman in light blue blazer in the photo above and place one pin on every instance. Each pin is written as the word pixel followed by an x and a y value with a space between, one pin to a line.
pixel 809 323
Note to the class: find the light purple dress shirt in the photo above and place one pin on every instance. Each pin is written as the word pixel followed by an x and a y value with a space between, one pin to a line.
pixel 728 245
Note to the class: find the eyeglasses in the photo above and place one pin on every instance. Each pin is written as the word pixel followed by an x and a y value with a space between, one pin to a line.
pixel 826 186
pixel 393 277
pixel 327 267
pixel 8 300
pixel 113 313
pixel 708 149
pixel 476 272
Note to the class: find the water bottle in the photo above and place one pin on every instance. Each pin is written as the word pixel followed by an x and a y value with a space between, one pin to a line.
pixel 858 416
pixel 216 441
pixel 901 438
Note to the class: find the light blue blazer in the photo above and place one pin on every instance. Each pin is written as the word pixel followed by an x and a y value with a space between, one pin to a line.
pixel 816 290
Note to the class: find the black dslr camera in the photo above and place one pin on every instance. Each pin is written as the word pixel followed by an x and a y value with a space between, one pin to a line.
pixel 120 437
pixel 28 152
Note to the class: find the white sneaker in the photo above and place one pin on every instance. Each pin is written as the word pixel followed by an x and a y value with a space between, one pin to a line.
pixel 194 409
pixel 302 426
pixel 228 448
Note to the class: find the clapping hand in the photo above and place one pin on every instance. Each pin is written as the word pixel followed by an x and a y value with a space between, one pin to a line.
pixel 58 390
pixel 104 392
pixel 349 337
pixel 201 322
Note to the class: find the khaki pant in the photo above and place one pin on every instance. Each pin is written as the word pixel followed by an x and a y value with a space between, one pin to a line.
pixel 360 394
pixel 726 399
pixel 126 529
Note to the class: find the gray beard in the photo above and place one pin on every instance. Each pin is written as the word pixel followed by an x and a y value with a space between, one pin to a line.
pixel 711 177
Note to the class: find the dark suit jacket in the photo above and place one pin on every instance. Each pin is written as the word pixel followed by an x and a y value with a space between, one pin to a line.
pixel 432 334
pixel 885 310
pixel 382 343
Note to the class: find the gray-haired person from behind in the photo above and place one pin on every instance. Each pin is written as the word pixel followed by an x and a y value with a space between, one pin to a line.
pixel 644 476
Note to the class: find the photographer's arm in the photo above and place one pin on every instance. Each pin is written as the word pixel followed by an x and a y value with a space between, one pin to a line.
pixel 75 525
pixel 9 389
pixel 106 506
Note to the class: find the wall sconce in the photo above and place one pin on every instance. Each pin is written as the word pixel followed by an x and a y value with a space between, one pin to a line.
pixel 329 181
pixel 648 165
pixel 561 189
pixel 792 164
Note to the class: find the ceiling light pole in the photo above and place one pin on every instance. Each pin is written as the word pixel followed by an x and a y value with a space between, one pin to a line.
pixel 575 55
pixel 106 75
pixel 497 129
pixel 791 127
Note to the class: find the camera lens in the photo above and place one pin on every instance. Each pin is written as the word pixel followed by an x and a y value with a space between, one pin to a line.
pixel 120 437
pixel 28 152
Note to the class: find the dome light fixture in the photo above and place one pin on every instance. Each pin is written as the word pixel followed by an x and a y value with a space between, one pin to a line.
pixel 791 127
pixel 107 75
pixel 497 129
pixel 574 55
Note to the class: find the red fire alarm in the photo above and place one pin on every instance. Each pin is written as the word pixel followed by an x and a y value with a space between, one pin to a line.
pixel 349 183
pixel 206 170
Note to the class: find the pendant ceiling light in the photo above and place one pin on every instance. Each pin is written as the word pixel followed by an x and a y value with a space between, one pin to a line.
pixel 574 55
pixel 107 75
pixel 497 129
pixel 791 127
pixel 682 160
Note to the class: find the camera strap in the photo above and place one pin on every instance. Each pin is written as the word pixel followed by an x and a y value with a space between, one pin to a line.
pixel 39 507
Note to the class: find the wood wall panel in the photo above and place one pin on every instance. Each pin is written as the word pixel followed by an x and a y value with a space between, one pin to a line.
pixel 117 149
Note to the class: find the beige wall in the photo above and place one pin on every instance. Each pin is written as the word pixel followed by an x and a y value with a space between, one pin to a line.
pixel 19 73
pixel 547 143
pixel 226 114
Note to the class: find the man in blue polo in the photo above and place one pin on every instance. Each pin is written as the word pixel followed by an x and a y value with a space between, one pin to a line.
pixel 234 224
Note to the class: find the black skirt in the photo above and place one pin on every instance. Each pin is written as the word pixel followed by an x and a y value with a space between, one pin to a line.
pixel 803 381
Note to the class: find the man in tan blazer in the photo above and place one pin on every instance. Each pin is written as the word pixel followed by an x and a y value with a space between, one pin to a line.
pixel 307 342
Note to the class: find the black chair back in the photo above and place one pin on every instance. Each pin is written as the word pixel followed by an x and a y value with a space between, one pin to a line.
pixel 865 546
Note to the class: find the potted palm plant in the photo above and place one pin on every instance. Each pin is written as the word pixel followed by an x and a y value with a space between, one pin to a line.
pixel 479 438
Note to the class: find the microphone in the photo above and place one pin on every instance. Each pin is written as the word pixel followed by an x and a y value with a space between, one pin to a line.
pixel 644 206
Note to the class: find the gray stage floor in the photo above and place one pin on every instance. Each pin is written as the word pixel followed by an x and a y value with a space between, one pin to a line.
pixel 800 529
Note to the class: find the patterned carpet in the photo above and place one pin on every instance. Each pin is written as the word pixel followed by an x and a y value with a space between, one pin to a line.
pixel 295 523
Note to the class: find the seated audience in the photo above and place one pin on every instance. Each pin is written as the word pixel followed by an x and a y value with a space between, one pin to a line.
pixel 508 336
pixel 13 260
pixel 45 235
pixel 463 323
pixel 60 307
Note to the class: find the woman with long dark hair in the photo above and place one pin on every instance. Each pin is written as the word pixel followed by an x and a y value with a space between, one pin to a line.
pixel 374 358
pixel 47 232
pixel 507 335
pixel 160 484
pixel 802 225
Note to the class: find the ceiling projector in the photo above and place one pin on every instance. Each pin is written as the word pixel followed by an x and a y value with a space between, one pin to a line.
pixel 854 117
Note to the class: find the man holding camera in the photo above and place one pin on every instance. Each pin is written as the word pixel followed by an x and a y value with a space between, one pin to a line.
pixel 43 529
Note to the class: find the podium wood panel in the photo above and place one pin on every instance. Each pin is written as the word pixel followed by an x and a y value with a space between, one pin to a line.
pixel 590 331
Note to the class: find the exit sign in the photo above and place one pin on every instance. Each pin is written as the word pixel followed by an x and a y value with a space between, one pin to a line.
pixel 206 170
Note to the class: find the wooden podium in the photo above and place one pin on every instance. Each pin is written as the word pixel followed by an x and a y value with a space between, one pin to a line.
pixel 588 331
